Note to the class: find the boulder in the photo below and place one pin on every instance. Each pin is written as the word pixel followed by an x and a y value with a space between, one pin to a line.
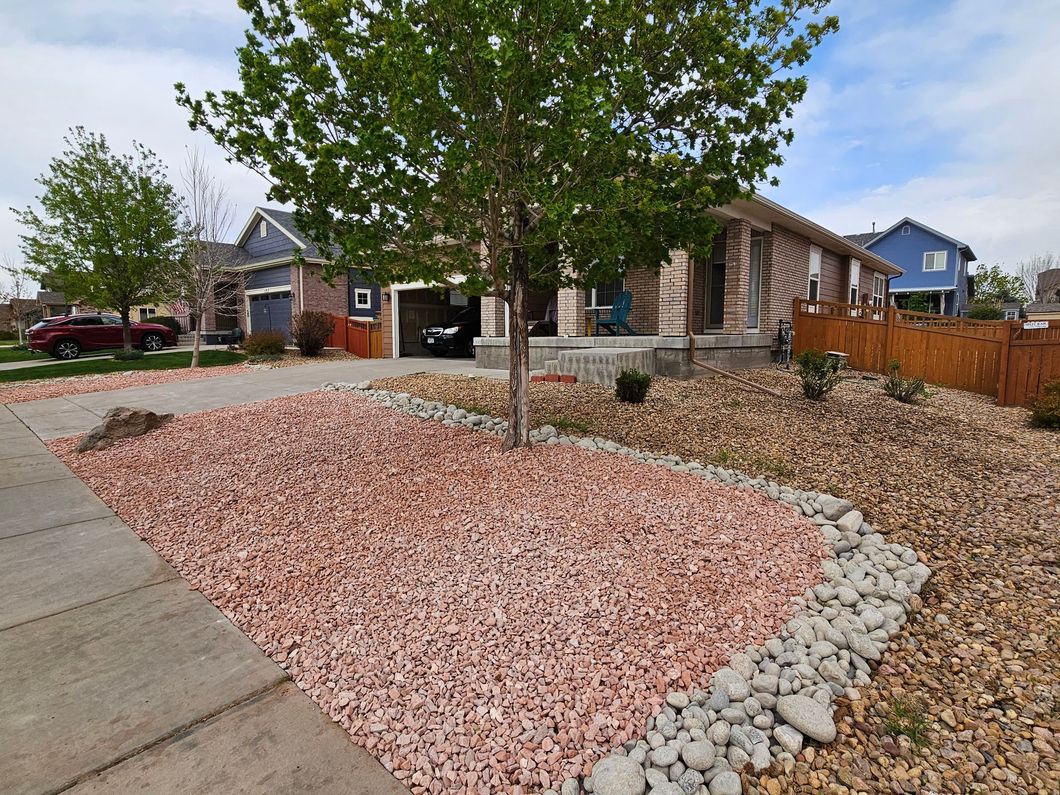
pixel 618 775
pixel 119 423
pixel 833 507
pixel 808 716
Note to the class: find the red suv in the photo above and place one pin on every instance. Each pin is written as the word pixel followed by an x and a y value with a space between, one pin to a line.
pixel 66 336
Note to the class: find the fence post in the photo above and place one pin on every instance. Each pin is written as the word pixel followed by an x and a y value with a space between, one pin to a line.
pixel 1003 368
pixel 794 323
pixel 888 338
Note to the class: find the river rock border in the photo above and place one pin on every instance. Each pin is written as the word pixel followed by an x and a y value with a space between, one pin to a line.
pixel 764 706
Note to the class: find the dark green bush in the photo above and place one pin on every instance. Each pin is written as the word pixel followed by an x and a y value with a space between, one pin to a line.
pixel 129 356
pixel 985 312
pixel 819 374
pixel 265 342
pixel 6 334
pixel 632 385
pixel 904 390
pixel 310 331
pixel 1045 406
pixel 169 322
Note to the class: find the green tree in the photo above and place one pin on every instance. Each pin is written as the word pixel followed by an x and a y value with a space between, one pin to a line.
pixel 515 145
pixel 917 302
pixel 994 285
pixel 109 230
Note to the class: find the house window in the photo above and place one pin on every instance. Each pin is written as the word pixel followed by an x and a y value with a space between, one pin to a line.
pixel 603 295
pixel 263 230
pixel 1012 314
pixel 905 229
pixel 934 260
pixel 362 298
pixel 146 313
pixel 855 278
pixel 879 289
pixel 754 283
pixel 813 292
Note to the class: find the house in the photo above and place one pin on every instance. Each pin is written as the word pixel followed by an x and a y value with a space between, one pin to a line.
pixel 935 265
pixel 53 303
pixel 765 257
pixel 1046 304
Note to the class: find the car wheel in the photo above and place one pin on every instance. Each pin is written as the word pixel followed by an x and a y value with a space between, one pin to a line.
pixel 66 349
pixel 152 342
pixel 469 349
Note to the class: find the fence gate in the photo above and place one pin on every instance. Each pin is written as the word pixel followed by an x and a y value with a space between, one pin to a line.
pixel 360 336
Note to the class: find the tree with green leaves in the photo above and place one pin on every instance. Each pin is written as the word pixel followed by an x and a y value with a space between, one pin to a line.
pixel 510 146
pixel 108 232
pixel 994 286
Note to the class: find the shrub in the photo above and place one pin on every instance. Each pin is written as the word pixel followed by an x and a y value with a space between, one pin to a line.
pixel 631 386
pixel 265 342
pixel 985 312
pixel 169 322
pixel 8 335
pixel 129 356
pixel 1045 406
pixel 907 716
pixel 818 373
pixel 904 390
pixel 310 331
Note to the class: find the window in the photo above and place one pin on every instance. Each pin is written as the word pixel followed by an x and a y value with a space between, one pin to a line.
pixel 263 230
pixel 934 260
pixel 111 320
pixel 879 289
pixel 813 292
pixel 1012 314
pixel 87 320
pixel 146 313
pixel 362 298
pixel 855 278
pixel 603 295
pixel 905 229
pixel 754 283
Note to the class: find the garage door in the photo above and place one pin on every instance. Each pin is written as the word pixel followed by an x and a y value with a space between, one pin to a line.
pixel 271 312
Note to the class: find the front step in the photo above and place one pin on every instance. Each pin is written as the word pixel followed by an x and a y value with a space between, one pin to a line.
pixel 601 365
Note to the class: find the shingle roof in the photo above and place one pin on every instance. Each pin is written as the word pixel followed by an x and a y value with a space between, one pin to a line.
pixel 51 298
pixel 861 238
pixel 1035 308
pixel 286 220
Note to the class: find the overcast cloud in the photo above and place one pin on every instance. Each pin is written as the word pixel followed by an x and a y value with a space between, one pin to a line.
pixel 947 111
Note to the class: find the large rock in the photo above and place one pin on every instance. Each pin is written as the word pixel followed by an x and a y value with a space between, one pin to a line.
pixel 732 684
pixel 726 783
pixel 809 717
pixel 698 755
pixel 121 422
pixel 618 775
pixel 833 507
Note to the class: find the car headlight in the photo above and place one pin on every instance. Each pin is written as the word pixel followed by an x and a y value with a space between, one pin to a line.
pixel 451 330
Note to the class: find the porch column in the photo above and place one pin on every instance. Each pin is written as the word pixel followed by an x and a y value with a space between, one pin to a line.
pixel 737 275
pixel 673 296
pixel 570 312
pixel 493 317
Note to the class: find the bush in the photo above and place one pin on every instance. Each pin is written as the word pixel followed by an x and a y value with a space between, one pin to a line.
pixel 129 356
pixel 169 322
pixel 904 390
pixel 265 342
pixel 8 335
pixel 1045 406
pixel 311 331
pixel 985 312
pixel 818 373
pixel 631 386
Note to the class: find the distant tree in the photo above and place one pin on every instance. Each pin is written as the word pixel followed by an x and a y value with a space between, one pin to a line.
pixel 1030 270
pixel 917 302
pixel 994 285
pixel 16 286
pixel 108 232
pixel 517 145
pixel 205 280
pixel 979 310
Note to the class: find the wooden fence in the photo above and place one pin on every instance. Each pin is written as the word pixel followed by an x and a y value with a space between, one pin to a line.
pixel 359 336
pixel 1009 359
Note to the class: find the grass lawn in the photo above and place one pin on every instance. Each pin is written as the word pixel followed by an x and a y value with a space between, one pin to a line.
pixel 8 354
pixel 161 361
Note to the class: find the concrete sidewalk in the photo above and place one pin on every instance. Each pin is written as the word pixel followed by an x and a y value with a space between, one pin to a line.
pixel 115 676
pixel 51 419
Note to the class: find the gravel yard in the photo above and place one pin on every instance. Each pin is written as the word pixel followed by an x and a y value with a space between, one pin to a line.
pixel 956 477
pixel 481 622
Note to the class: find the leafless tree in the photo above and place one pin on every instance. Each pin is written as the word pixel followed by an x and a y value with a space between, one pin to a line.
pixel 15 288
pixel 207 279
pixel 1029 270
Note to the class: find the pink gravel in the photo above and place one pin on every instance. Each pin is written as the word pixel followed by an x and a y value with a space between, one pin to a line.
pixel 482 622
pixel 42 389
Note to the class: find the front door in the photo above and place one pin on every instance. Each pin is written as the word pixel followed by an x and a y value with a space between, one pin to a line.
pixel 715 296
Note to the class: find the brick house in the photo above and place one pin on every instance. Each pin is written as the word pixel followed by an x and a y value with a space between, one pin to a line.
pixel 765 257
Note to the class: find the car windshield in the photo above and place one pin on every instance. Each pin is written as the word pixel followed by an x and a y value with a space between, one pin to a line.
pixel 465 314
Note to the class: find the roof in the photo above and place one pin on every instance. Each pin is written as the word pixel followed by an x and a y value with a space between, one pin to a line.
pixel 284 221
pixel 860 237
pixel 1041 308
pixel 51 298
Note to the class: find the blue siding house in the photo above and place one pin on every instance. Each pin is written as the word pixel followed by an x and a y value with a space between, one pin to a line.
pixel 935 265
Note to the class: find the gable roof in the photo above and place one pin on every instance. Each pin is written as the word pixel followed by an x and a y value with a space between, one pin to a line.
pixel 283 220
pixel 51 298
pixel 961 246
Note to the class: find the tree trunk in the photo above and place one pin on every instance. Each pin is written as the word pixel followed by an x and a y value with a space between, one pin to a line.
pixel 198 338
pixel 126 331
pixel 518 355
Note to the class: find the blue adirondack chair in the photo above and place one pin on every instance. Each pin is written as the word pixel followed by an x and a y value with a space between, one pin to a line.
pixel 616 321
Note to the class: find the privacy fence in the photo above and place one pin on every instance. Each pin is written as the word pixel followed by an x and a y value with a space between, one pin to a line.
pixel 1009 360
pixel 359 336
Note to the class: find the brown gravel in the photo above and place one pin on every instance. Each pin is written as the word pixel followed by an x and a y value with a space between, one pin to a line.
pixel 957 478
pixel 482 622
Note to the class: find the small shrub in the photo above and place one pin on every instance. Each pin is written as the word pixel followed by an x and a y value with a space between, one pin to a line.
pixel 129 356
pixel 169 322
pixel 985 312
pixel 1045 406
pixel 566 424
pixel 819 374
pixel 632 385
pixel 265 342
pixel 8 335
pixel 723 458
pixel 310 331
pixel 907 716
pixel 904 390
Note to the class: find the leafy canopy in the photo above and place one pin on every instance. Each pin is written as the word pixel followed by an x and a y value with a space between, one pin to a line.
pixel 595 133
pixel 994 284
pixel 108 229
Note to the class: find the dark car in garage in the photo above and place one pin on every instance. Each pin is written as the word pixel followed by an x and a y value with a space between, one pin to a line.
pixel 457 335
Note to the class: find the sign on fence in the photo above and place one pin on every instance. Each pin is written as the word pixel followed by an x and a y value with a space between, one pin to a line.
pixel 1031 325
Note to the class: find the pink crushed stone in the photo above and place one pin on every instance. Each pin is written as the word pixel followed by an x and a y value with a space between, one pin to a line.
pixel 481 622
pixel 42 389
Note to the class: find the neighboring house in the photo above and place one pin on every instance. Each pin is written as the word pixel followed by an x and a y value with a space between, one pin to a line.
pixel 1011 310
pixel 53 303
pixel 1046 304
pixel 935 265
pixel 765 257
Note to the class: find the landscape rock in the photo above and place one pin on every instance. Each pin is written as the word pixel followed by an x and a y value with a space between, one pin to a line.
pixel 808 716
pixel 121 422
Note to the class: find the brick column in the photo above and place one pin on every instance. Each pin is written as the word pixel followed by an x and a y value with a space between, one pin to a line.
pixel 493 317
pixel 673 296
pixel 570 312
pixel 737 275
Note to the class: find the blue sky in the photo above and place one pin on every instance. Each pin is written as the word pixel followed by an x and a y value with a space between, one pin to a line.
pixel 944 110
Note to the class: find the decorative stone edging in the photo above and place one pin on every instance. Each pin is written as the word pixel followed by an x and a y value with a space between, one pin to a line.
pixel 770 698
